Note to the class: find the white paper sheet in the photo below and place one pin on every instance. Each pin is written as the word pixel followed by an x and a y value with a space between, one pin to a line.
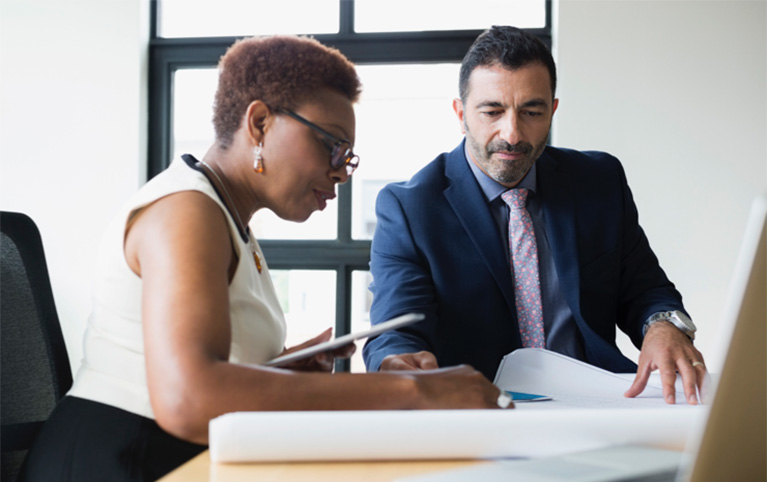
pixel 573 383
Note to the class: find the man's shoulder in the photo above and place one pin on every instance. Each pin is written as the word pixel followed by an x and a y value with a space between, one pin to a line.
pixel 431 177
pixel 579 166
pixel 595 175
pixel 586 158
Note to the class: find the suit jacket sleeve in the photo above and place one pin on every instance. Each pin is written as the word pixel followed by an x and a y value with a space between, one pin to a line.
pixel 644 287
pixel 398 267
pixel 619 279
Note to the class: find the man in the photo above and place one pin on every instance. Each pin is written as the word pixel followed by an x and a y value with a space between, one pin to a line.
pixel 505 242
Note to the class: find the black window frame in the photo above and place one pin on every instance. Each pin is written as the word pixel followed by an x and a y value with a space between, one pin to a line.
pixel 343 254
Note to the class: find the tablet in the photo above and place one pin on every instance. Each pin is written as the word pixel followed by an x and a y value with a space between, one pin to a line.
pixel 377 329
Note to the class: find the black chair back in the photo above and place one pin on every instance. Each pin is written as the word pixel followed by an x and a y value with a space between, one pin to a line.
pixel 34 367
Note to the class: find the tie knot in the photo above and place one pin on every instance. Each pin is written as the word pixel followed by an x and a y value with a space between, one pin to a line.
pixel 515 198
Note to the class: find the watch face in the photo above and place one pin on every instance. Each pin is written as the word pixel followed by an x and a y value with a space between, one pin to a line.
pixel 684 319
pixel 676 318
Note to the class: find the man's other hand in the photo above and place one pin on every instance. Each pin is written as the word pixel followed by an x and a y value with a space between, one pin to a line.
pixel 423 360
pixel 667 349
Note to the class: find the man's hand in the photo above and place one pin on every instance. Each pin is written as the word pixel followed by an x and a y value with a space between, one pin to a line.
pixel 423 360
pixel 667 349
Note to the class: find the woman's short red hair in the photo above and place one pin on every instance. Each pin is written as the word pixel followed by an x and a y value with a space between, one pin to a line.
pixel 282 71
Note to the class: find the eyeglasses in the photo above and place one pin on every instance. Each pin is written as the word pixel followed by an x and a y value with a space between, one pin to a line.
pixel 340 153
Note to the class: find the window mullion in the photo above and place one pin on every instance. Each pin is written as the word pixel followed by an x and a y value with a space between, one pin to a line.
pixel 345 212
pixel 343 309
pixel 346 17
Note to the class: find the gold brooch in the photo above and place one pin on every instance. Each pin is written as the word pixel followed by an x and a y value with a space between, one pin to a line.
pixel 257 260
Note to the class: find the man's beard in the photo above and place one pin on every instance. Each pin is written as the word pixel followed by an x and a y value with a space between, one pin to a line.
pixel 505 172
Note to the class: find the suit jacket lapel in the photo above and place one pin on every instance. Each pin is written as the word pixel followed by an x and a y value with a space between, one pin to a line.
pixel 561 218
pixel 470 206
pixel 559 212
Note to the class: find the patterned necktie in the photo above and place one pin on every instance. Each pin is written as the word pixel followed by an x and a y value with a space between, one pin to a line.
pixel 524 264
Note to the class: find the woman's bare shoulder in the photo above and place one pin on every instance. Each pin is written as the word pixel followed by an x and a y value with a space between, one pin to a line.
pixel 186 223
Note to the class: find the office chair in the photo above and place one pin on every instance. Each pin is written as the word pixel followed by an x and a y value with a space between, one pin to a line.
pixel 34 367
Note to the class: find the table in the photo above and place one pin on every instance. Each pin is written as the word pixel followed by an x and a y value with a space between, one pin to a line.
pixel 200 469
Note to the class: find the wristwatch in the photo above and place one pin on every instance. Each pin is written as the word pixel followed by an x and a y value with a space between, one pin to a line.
pixel 676 318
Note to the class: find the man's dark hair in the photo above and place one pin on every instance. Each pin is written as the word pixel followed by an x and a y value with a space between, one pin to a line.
pixel 509 47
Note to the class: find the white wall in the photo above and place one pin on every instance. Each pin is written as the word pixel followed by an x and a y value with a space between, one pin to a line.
pixel 676 90
pixel 72 130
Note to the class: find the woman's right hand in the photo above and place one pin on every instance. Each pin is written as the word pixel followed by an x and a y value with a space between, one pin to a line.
pixel 455 387
pixel 321 362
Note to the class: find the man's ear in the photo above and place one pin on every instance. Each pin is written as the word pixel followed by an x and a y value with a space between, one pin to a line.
pixel 554 106
pixel 459 112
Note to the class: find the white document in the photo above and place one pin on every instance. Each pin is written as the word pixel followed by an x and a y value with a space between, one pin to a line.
pixel 572 382
pixel 392 324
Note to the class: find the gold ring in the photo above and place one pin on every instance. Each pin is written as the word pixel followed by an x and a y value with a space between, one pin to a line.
pixel 504 400
pixel 697 363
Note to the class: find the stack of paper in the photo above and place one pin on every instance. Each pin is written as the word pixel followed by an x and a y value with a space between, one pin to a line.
pixel 573 383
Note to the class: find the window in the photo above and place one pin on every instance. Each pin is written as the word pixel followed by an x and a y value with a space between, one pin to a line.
pixel 408 58
pixel 229 18
pixel 414 16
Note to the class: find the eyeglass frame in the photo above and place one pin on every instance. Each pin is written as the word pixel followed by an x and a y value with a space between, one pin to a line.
pixel 349 155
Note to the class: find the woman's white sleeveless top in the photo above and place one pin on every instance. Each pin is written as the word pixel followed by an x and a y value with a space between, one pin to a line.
pixel 113 369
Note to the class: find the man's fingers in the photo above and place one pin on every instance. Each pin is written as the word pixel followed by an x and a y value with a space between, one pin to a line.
pixel 640 381
pixel 426 360
pixel 668 380
pixel 689 381
pixel 423 360
pixel 397 362
pixel 701 379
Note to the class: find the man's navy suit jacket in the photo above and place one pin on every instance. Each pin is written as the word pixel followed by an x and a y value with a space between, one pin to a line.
pixel 437 251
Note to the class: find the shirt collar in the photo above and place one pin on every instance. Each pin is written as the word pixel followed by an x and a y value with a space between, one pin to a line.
pixel 490 187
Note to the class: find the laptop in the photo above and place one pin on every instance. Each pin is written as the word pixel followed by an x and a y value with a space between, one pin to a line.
pixel 731 444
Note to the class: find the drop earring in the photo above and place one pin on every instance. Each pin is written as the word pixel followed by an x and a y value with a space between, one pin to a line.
pixel 258 164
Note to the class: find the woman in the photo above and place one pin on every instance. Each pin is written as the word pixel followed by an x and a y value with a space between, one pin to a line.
pixel 185 310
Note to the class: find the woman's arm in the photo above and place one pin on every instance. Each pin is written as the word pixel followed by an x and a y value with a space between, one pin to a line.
pixel 181 248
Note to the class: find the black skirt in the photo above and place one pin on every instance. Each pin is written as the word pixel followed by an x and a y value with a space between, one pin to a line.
pixel 90 441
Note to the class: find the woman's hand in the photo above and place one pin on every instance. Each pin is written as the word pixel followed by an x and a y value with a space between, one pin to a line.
pixel 457 387
pixel 321 362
